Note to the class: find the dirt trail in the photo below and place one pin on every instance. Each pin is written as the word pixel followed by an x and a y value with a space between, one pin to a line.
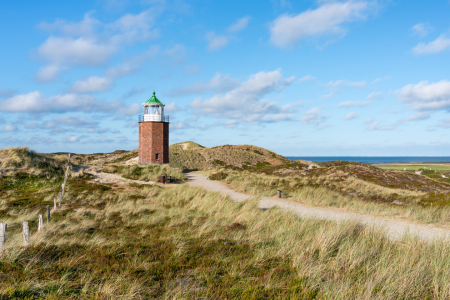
pixel 394 229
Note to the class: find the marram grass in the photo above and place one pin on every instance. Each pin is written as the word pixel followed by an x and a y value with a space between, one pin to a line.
pixel 148 242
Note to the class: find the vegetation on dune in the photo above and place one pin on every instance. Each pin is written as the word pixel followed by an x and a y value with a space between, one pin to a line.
pixel 145 173
pixel 191 156
pixel 28 161
pixel 181 242
pixel 353 186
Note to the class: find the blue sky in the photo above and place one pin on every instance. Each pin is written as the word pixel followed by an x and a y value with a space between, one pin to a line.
pixel 301 78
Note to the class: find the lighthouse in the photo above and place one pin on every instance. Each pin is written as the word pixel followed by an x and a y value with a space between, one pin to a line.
pixel 153 133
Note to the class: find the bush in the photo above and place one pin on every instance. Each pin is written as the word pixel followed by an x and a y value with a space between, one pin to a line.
pixel 218 176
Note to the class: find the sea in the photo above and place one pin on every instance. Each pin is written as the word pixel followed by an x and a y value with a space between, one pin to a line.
pixel 376 159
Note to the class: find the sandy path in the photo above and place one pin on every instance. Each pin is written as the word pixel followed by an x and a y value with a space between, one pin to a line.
pixel 394 229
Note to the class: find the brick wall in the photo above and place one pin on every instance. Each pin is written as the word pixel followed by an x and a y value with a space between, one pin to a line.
pixel 153 139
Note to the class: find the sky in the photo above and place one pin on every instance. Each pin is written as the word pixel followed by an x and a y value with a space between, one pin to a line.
pixel 301 78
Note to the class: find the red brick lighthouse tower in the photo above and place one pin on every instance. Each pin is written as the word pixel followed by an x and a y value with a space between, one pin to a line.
pixel 153 133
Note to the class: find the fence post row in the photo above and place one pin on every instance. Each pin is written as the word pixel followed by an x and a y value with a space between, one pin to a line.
pixel 26 233
pixel 25 228
pixel 2 234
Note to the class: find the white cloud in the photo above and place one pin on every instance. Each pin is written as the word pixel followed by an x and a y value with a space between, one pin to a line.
pixel 313 116
pixel 84 27
pixel 421 29
pixel 171 108
pixel 72 139
pixel 438 45
pixel 426 96
pixel 353 103
pixel 244 103
pixel 306 78
pixel 216 41
pixel 373 95
pixel 445 123
pixel 48 73
pixel 132 28
pixel 351 116
pixel 418 117
pixel 133 64
pixel 74 121
pixel 36 102
pixel 90 42
pixel 175 55
pixel 218 84
pixel 359 84
pixel 133 109
pixel 92 84
pixel 9 128
pixel 382 79
pixel 5 93
pixel 328 19
pixel 337 83
pixel 239 24
pixel 67 51
pixel 326 96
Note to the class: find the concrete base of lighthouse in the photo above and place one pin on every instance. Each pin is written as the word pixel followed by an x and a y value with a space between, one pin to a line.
pixel 153 143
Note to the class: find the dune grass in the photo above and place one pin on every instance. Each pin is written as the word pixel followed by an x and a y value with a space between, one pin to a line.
pixel 150 242
pixel 145 173
pixel 349 196
pixel 410 167
pixel 28 161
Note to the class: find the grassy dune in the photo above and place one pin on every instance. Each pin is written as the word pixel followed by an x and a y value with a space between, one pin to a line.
pixel 148 242
pixel 410 167
pixel 192 156
pixel 145 173
pixel 352 194
pixel 178 242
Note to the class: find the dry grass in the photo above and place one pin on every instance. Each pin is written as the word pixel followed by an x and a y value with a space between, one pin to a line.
pixel 145 173
pixel 28 161
pixel 185 243
pixel 347 197
pixel 191 156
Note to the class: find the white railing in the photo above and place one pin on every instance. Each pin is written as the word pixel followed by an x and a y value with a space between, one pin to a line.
pixel 153 118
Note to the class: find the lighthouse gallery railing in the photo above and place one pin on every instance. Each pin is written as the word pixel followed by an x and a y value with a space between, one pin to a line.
pixel 153 118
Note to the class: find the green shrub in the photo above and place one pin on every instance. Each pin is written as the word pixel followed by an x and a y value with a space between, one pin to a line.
pixel 218 176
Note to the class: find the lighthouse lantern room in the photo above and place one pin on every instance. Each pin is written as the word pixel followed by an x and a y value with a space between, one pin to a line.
pixel 153 133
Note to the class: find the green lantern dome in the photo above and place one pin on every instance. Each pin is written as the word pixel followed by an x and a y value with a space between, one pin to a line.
pixel 153 101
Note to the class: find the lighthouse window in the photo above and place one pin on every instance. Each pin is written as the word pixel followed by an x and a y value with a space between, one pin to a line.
pixel 157 155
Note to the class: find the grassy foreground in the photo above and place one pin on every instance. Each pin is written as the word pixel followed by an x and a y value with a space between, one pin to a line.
pixel 178 242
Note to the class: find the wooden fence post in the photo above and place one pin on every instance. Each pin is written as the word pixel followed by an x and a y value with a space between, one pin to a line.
pixel 26 233
pixel 62 187
pixel 40 223
pixel 54 203
pixel 59 199
pixel 48 213
pixel 2 234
